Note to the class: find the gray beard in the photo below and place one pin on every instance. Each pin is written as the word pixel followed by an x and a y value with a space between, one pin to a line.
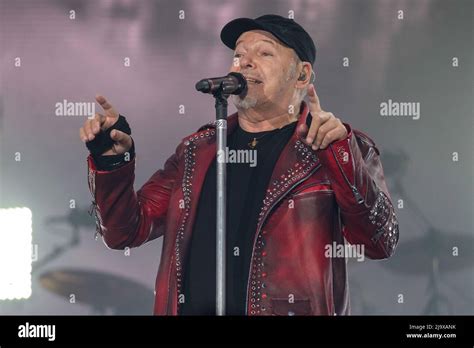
pixel 244 104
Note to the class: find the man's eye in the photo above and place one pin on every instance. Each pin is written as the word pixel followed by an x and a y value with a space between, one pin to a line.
pixel 266 54
pixel 237 55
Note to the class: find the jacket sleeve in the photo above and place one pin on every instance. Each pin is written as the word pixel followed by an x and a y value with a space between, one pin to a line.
pixel 357 178
pixel 125 218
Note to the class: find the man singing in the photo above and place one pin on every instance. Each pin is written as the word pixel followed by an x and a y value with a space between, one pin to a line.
pixel 317 184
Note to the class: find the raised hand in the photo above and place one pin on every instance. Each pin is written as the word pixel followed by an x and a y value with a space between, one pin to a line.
pixel 325 127
pixel 102 122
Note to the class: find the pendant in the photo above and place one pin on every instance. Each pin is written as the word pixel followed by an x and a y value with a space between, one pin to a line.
pixel 253 143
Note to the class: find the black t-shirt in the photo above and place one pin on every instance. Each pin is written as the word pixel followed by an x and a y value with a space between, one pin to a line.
pixel 246 187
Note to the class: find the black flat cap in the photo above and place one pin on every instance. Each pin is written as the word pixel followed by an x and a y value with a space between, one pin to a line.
pixel 286 30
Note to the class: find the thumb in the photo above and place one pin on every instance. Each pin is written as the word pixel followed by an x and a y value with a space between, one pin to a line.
pixel 119 136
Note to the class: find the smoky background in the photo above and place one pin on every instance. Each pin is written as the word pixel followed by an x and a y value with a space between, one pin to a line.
pixel 406 60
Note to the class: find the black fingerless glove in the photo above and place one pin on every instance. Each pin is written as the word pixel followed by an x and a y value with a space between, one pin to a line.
pixel 103 142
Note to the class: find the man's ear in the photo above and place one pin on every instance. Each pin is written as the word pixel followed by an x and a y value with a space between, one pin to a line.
pixel 305 76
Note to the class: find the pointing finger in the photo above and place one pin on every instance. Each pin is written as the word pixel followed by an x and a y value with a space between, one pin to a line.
pixel 108 108
pixel 314 104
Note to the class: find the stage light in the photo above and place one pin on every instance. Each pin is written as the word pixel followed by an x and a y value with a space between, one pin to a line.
pixel 15 253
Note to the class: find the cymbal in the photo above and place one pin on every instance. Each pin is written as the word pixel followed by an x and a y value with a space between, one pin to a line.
pixel 417 256
pixel 100 290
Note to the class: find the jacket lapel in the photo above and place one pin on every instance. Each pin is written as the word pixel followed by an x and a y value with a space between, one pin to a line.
pixel 296 163
pixel 199 153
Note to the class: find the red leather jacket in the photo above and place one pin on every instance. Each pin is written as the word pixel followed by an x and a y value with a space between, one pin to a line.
pixel 314 199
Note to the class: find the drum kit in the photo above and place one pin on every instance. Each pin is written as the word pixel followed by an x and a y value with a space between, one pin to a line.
pixel 103 293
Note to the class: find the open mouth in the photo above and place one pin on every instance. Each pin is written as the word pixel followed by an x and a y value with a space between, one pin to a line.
pixel 252 80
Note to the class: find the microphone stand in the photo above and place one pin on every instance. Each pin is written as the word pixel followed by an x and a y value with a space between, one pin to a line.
pixel 221 132
pixel 221 88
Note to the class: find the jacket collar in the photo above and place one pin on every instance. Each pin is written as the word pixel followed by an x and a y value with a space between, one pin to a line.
pixel 296 162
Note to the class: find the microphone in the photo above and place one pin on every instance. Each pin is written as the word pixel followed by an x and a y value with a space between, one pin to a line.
pixel 233 83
